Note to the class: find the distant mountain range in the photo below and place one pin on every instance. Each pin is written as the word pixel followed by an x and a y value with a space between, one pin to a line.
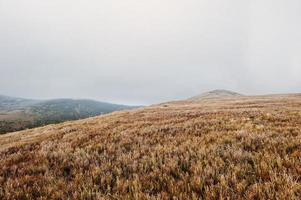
pixel 18 113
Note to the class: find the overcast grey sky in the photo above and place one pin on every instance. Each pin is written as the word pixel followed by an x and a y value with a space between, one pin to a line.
pixel 148 51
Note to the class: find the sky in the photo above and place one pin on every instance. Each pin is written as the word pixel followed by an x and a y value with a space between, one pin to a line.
pixel 147 52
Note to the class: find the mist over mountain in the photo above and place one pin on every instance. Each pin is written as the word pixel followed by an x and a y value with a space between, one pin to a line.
pixel 147 52
pixel 221 81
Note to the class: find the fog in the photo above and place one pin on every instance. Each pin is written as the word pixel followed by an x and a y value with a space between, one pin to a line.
pixel 145 52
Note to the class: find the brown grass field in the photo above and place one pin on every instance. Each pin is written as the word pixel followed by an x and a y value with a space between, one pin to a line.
pixel 239 148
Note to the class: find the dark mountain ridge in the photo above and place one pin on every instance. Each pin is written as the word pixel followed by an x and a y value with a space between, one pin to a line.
pixel 19 113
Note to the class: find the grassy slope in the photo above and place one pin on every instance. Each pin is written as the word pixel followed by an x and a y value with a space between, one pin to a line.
pixel 245 148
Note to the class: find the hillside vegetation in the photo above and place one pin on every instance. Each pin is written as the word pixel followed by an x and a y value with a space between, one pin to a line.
pixel 234 148
pixel 18 114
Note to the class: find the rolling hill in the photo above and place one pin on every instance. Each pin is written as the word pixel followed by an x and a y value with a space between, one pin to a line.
pixel 214 94
pixel 229 148
pixel 18 114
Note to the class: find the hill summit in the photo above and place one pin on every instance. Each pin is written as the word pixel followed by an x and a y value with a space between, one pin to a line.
pixel 216 94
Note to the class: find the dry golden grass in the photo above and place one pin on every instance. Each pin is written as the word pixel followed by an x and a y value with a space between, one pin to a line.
pixel 243 148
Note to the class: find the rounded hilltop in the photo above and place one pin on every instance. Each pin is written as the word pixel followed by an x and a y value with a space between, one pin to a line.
pixel 216 94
